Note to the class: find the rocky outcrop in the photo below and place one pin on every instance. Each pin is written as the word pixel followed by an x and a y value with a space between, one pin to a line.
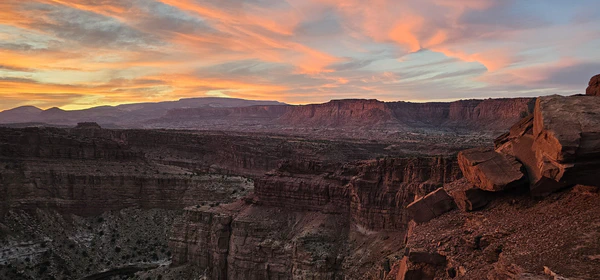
pixel 567 139
pixel 559 145
pixel 430 206
pixel 593 88
pixel 514 237
pixel 490 170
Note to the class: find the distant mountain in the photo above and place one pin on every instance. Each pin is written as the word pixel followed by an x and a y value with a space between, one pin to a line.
pixel 126 115
pixel 19 114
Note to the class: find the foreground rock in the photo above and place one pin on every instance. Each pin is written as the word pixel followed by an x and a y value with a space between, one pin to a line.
pixel 466 196
pixel 567 140
pixel 559 144
pixel 594 86
pixel 430 206
pixel 516 236
pixel 489 170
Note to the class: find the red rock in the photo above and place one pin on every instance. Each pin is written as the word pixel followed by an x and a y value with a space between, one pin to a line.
pixel 594 86
pixel 420 264
pixel 587 190
pixel 466 196
pixel 421 256
pixel 430 206
pixel 407 271
pixel 489 170
pixel 567 140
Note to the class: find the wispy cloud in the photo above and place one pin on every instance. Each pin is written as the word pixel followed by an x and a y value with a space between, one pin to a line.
pixel 75 53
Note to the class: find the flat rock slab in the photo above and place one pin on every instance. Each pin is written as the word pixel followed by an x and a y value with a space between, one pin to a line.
pixel 490 170
pixel 430 206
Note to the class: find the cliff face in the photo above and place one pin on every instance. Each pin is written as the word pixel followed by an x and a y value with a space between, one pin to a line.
pixel 55 143
pixel 339 113
pixel 88 171
pixel 242 241
pixel 374 193
pixel 489 114
pixel 70 188
pixel 366 113
pixel 306 220
pixel 383 188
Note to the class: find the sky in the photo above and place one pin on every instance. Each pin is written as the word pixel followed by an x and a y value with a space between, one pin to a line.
pixel 76 54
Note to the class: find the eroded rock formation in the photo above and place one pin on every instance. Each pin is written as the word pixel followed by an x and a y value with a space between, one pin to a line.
pixel 559 144
pixel 304 218
pixel 594 86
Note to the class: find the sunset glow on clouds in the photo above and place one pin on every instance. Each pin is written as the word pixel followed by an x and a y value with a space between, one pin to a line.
pixel 84 53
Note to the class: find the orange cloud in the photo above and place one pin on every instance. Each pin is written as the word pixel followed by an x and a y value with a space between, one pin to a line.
pixel 493 60
pixel 275 45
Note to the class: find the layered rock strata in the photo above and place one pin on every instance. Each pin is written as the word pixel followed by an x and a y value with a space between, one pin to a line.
pixel 490 170
pixel 304 218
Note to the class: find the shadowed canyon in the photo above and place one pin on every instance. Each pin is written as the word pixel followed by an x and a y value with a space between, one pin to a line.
pixel 213 188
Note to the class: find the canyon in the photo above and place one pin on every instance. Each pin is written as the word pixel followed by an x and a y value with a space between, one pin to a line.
pixel 349 189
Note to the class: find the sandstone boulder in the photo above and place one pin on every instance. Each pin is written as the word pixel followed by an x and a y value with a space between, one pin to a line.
pixel 430 206
pixel 594 86
pixel 490 170
pixel 466 196
pixel 566 133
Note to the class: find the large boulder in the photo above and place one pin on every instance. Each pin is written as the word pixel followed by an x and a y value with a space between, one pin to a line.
pixel 490 170
pixel 594 86
pixel 430 206
pixel 559 144
pixel 566 132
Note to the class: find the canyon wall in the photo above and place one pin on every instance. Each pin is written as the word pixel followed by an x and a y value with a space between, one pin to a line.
pixel 88 170
pixel 304 218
